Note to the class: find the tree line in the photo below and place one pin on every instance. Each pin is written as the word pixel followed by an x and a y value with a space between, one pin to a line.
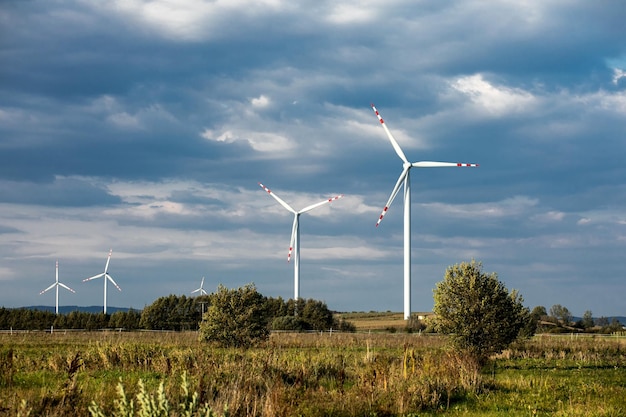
pixel 176 313
pixel 559 320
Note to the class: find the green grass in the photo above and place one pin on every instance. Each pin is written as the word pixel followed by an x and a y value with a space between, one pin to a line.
pixel 317 374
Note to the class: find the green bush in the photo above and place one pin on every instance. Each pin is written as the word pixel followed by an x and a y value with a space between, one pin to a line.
pixel 236 318
pixel 476 309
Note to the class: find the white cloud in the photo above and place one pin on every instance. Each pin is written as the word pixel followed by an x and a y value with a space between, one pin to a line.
pixel 618 74
pixel 497 100
pixel 189 20
pixel 118 113
pixel 344 13
pixel 151 210
pixel 513 206
pixel 124 120
pixel 259 141
pixel 260 102
pixel 141 191
pixel 551 216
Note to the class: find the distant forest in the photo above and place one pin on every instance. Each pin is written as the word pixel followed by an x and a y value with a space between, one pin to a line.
pixel 185 313
pixel 170 313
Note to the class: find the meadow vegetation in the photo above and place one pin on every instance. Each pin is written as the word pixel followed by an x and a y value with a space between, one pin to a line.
pixel 307 374
pixel 250 355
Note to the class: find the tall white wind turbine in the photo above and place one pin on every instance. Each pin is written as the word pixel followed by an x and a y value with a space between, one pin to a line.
pixel 294 244
pixel 105 275
pixel 201 289
pixel 405 179
pixel 57 284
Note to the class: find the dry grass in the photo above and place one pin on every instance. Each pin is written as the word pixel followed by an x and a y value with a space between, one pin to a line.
pixel 375 321
pixel 352 374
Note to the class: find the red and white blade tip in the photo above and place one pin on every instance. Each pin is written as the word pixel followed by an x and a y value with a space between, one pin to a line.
pixel 289 254
pixel 265 188
pixel 380 118
pixel 380 219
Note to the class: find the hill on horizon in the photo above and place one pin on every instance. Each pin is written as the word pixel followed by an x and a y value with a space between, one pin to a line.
pixel 83 309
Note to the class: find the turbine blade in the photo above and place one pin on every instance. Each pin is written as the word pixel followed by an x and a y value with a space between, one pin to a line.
pixel 106 267
pixel 66 287
pixel 394 192
pixel 433 164
pixel 203 292
pixel 312 206
pixel 282 203
pixel 94 277
pixel 110 278
pixel 201 289
pixel 49 288
pixel 293 236
pixel 393 141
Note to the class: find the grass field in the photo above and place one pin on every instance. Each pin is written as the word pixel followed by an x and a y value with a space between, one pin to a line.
pixel 362 374
pixel 375 321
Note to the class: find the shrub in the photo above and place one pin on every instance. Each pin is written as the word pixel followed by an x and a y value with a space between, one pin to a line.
pixel 236 317
pixel 481 315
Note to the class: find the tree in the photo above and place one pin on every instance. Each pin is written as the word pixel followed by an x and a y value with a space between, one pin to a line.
pixel 127 320
pixel 276 307
pixel 481 315
pixel 602 321
pixel 587 321
pixel 538 312
pixel 561 313
pixel 317 315
pixel 172 313
pixel 236 317
pixel 289 323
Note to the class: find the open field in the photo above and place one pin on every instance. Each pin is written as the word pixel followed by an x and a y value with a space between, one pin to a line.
pixel 375 321
pixel 362 374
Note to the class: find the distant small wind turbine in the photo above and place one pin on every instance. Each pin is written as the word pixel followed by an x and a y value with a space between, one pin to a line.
pixel 201 289
pixel 106 277
pixel 294 244
pixel 57 284
pixel 406 180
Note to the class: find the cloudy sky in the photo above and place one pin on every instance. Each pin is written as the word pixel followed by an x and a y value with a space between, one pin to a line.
pixel 145 126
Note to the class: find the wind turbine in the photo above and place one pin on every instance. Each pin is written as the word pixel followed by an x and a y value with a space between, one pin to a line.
pixel 201 289
pixel 294 244
pixel 57 284
pixel 106 277
pixel 405 179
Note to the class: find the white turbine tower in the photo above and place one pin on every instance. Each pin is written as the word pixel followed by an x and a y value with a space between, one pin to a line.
pixel 406 180
pixel 201 289
pixel 57 284
pixel 294 244
pixel 105 275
